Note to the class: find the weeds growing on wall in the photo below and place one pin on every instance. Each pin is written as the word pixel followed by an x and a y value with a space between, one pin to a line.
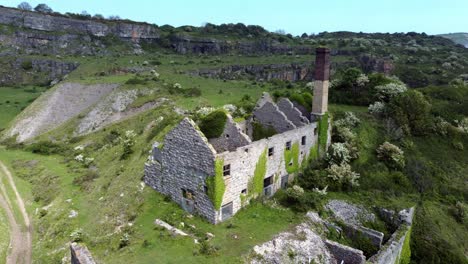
pixel 216 186
pixel 323 134
pixel 405 255
pixel 256 187
pixel 291 158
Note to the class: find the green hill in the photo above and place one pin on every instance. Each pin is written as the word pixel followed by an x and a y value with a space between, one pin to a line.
pixel 459 38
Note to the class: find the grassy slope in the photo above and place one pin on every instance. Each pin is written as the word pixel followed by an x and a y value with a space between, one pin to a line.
pixel 4 238
pixel 14 100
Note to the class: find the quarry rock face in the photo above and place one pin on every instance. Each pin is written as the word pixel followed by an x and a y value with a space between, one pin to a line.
pixel 56 23
pixel 286 72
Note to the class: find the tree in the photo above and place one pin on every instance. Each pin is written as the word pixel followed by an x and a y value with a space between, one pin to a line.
pixel 25 6
pixel 410 110
pixel 85 13
pixel 43 8
pixel 98 16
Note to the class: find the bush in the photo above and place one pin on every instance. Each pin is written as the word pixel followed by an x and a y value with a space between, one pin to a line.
pixel 213 124
pixel 411 111
pixel 299 200
pixel 260 131
pixel 391 155
pixel 388 91
pixel 46 148
pixel 338 154
pixel 343 176
pixel 26 65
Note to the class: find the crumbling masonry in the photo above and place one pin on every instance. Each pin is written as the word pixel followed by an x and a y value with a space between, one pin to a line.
pixel 217 177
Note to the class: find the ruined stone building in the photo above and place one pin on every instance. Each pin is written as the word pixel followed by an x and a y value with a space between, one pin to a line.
pixel 217 177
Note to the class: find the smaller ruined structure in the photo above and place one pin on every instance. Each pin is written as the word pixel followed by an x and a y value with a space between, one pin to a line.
pixel 80 254
pixel 216 177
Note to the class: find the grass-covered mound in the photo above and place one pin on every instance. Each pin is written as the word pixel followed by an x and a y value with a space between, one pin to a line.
pixel 213 124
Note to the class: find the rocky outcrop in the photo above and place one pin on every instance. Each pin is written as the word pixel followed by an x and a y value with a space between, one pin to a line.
pixel 191 45
pixel 287 72
pixel 43 71
pixel 373 64
pixel 80 254
pixel 60 23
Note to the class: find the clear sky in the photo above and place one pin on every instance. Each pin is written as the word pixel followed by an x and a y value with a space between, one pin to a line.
pixel 293 16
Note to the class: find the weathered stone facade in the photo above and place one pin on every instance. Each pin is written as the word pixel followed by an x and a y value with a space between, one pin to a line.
pixel 185 166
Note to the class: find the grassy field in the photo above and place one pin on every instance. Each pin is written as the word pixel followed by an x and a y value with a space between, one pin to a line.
pixel 14 100
pixel 4 238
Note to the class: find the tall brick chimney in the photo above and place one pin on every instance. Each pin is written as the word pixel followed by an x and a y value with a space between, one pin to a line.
pixel 322 77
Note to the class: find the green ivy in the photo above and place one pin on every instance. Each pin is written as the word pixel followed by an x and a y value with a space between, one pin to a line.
pixel 213 124
pixel 323 134
pixel 292 155
pixel 216 186
pixel 405 255
pixel 259 175
pixel 260 132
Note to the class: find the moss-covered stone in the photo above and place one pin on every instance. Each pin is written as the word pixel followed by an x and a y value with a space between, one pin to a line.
pixel 323 134
pixel 259 175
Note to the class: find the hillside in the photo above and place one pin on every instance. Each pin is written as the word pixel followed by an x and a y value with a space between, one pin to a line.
pixel 78 121
pixel 459 38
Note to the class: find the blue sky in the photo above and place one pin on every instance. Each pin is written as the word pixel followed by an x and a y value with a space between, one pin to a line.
pixel 293 16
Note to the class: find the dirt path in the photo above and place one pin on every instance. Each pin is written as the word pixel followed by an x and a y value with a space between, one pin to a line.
pixel 20 250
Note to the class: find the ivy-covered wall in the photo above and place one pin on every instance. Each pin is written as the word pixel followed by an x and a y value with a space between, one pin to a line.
pixel 216 186
pixel 291 158
pixel 256 185
pixel 323 134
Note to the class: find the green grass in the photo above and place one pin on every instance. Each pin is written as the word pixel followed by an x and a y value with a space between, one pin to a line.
pixel 14 100
pixel 5 237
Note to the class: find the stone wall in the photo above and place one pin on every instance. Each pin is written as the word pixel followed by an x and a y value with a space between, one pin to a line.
pixel 391 251
pixel 345 254
pixel 187 159
pixel 231 138
pixel 291 112
pixel 244 159
pixel 80 254
pixel 268 114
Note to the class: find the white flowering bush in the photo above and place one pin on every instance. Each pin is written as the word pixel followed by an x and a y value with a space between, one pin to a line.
pixel 344 134
pixel 322 192
pixel 310 85
pixel 462 125
pixel 342 174
pixel 205 110
pixel 79 158
pixel 377 108
pixel 230 108
pixel 79 148
pixel 177 86
pixel 128 143
pixel 388 91
pixel 295 191
pixel 362 80
pixel 338 154
pixel 154 74
pixel 391 155
pixel 350 120
pixel 441 126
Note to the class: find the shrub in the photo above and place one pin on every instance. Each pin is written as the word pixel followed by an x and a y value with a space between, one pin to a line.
pixel 206 248
pixel 338 154
pixel 46 148
pixel 389 91
pixel 391 155
pixel 26 65
pixel 411 112
pixel 259 131
pixel 299 200
pixel 76 235
pixel 350 120
pixel 128 143
pixel 377 108
pixel 213 124
pixel 343 175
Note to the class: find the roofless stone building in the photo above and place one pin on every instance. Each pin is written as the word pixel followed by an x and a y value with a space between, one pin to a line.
pixel 217 177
